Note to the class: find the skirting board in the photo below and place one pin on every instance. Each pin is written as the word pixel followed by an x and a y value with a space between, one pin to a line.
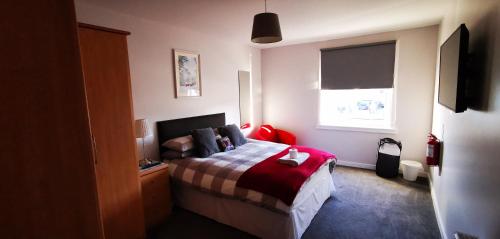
pixel 370 166
pixel 436 211
pixel 356 165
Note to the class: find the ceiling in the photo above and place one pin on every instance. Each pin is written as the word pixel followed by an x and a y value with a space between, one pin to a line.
pixel 301 20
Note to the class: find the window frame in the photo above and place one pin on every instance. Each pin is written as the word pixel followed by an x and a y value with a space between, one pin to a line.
pixel 392 129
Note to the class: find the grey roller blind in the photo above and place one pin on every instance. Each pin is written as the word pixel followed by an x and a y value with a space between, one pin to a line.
pixel 358 67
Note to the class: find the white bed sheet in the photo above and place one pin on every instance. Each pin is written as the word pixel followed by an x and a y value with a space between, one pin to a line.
pixel 257 220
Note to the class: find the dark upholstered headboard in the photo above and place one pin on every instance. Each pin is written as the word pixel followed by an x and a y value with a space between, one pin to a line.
pixel 170 129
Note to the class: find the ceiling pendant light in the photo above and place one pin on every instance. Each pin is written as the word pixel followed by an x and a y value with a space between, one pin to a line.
pixel 266 27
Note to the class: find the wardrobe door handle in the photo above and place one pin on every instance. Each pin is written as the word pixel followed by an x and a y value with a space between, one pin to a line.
pixel 94 149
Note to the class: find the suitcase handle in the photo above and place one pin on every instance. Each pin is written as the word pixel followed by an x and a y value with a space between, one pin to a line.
pixel 390 141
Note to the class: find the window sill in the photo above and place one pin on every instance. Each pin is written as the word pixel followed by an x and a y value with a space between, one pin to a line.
pixel 359 129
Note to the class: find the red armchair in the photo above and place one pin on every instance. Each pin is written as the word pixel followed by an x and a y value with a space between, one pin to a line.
pixel 268 133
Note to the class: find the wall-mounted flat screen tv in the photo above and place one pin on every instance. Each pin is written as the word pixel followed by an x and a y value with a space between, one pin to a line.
pixel 452 70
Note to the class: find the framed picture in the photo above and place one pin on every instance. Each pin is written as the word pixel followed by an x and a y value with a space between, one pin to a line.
pixel 187 73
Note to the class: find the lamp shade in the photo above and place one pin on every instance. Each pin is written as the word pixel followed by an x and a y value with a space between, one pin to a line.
pixel 142 128
pixel 266 28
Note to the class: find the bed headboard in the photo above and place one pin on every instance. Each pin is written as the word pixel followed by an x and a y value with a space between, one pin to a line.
pixel 169 129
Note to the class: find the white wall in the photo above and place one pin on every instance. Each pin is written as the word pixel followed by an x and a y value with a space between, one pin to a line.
pixel 150 53
pixel 290 81
pixel 467 194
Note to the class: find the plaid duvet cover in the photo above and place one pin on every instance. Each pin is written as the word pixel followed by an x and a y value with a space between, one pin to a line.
pixel 219 173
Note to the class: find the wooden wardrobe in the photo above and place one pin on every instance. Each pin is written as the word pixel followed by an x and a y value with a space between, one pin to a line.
pixel 47 186
pixel 106 74
pixel 68 152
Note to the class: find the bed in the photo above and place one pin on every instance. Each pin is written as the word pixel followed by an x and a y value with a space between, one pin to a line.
pixel 247 210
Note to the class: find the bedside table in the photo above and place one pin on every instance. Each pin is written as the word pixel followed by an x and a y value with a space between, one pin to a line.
pixel 155 184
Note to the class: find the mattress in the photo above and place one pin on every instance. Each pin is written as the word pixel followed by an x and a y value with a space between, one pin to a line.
pixel 220 172
pixel 213 181
pixel 256 220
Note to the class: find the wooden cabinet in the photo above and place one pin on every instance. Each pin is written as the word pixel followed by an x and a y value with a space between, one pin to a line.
pixel 105 65
pixel 68 149
pixel 48 185
pixel 156 194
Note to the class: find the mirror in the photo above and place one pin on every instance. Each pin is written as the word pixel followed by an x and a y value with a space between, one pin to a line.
pixel 245 99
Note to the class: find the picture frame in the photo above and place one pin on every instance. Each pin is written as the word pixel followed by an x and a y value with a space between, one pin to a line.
pixel 187 73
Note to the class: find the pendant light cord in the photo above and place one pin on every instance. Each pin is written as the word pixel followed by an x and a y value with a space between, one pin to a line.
pixel 265 5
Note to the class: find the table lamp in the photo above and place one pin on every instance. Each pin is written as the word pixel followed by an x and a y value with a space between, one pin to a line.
pixel 142 130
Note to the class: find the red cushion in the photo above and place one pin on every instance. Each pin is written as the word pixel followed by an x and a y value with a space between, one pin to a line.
pixel 245 126
pixel 267 133
pixel 286 137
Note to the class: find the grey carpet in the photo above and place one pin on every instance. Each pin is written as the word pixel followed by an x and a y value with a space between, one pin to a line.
pixel 364 206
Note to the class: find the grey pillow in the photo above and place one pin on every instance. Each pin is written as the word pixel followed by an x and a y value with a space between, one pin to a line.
pixel 233 132
pixel 204 142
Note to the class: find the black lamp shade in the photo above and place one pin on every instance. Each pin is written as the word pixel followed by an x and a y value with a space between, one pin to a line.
pixel 266 28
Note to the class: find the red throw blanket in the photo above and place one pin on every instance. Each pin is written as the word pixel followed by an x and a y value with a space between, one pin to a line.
pixel 279 180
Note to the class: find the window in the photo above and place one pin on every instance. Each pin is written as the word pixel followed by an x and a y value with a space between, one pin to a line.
pixel 364 108
pixel 357 86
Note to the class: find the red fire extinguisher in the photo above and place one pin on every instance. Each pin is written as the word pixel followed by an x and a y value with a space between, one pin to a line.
pixel 433 150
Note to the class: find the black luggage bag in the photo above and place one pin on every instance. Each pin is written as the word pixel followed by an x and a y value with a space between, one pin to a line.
pixel 388 162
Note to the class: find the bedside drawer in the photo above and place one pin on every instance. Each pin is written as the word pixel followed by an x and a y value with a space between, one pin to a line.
pixel 154 182
pixel 156 196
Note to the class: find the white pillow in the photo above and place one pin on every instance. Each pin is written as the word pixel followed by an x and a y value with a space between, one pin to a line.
pixel 180 144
